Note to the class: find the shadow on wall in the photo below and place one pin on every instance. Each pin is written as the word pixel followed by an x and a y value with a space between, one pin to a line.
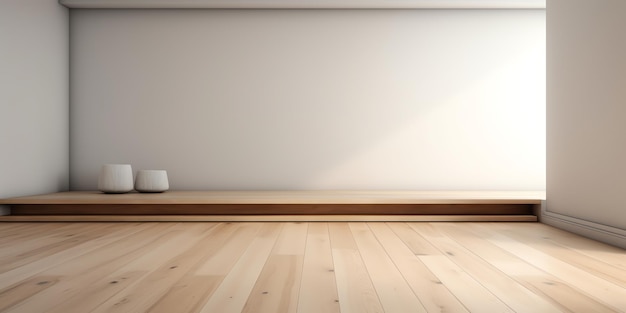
pixel 322 99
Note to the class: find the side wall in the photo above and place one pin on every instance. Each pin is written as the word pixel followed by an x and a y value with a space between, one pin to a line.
pixel 34 97
pixel 586 118
pixel 311 99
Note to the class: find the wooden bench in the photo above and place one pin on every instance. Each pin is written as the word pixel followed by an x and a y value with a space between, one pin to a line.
pixel 278 206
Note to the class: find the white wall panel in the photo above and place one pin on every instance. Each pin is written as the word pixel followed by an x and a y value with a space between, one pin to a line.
pixel 587 112
pixel 34 97
pixel 311 99
pixel 305 4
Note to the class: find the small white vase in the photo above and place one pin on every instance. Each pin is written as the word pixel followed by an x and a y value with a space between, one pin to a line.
pixel 151 181
pixel 115 178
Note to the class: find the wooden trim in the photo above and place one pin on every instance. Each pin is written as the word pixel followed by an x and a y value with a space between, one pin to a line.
pixel 287 197
pixel 272 209
pixel 304 4
pixel 269 218
pixel 607 234
pixel 421 204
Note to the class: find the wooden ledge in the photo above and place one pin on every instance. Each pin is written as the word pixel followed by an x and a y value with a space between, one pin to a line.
pixel 287 197
pixel 280 203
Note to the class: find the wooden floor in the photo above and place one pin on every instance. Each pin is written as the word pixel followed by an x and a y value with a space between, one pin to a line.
pixel 306 267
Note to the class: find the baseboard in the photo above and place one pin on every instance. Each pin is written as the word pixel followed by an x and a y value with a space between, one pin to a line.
pixel 607 234
pixel 5 210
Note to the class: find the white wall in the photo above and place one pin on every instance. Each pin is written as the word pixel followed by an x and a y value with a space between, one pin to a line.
pixel 586 120
pixel 34 97
pixel 311 99
pixel 305 4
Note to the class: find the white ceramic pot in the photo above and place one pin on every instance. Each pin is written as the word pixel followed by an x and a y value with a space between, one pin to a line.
pixel 151 181
pixel 115 178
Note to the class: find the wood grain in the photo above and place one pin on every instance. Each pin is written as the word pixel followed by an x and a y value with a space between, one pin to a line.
pixel 354 285
pixel 594 286
pixel 307 267
pixel 318 291
pixel 234 291
pixel 516 296
pixel 293 203
pixel 393 291
pixel 278 285
pixel 78 275
pixel 536 279
pixel 434 296
pixel 287 197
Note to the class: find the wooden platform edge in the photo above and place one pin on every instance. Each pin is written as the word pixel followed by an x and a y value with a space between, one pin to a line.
pixel 334 197
pixel 269 218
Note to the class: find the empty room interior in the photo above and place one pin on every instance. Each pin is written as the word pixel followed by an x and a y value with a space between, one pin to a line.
pixel 316 156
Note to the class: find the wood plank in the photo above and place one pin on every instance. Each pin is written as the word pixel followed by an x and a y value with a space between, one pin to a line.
pixel 354 286
pixel 31 250
pixel 341 236
pixel 308 267
pixel 318 290
pixel 470 292
pixel 230 250
pixel 587 263
pixel 608 254
pixel 431 292
pixel 125 250
pixel 190 293
pixel 279 203
pixel 565 296
pixel 393 291
pixel 142 295
pixel 534 278
pixel 287 197
pixel 16 275
pixel 32 240
pixel 24 290
pixel 22 232
pixel 602 290
pixel 269 218
pixel 131 268
pixel 292 239
pixel 7 229
pixel 413 240
pixel 513 294
pixel 75 275
pixel 232 294
pixel 278 285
